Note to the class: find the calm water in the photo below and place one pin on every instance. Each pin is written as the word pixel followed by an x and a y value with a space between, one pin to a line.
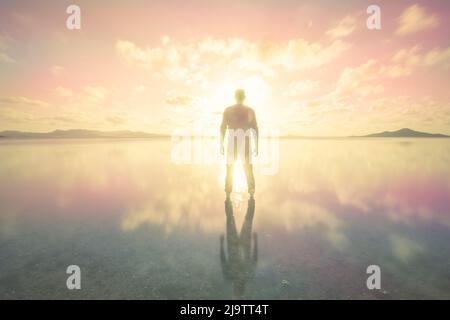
pixel 142 227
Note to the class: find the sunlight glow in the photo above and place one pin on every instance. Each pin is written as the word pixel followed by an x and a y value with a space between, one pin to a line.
pixel 239 178
pixel 257 94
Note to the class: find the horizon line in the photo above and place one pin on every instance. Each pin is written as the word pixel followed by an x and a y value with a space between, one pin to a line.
pixel 165 135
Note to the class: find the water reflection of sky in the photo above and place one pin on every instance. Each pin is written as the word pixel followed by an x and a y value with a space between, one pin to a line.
pixel 142 227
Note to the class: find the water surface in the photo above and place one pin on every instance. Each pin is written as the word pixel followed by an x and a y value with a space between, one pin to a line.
pixel 140 226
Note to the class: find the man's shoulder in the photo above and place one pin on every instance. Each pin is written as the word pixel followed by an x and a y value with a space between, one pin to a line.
pixel 238 108
pixel 249 110
pixel 230 108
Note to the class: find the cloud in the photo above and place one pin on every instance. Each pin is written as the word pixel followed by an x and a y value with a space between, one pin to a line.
pixel 415 19
pixel 152 58
pixel 357 101
pixel 197 60
pixel 437 57
pixel 343 28
pixel 140 89
pixel 5 43
pixel 395 71
pixel 402 63
pixel 63 92
pixel 16 111
pixel 19 100
pixel 86 95
pixel 5 58
pixel 85 107
pixel 63 119
pixel 406 60
pixel 358 81
pixel 117 120
pixel 94 93
pixel 407 111
pixel 301 87
pixel 409 57
pixel 57 70
pixel 179 100
pixel 13 116
pixel 301 55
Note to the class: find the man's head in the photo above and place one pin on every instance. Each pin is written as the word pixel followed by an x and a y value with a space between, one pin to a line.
pixel 239 94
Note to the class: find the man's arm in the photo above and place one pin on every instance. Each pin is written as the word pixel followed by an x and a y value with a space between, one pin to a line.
pixel 254 126
pixel 223 129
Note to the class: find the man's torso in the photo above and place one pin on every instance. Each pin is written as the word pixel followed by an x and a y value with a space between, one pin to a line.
pixel 239 117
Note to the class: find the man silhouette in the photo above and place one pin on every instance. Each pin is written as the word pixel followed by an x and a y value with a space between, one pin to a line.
pixel 240 121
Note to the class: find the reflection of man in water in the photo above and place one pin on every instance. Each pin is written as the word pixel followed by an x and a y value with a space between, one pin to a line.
pixel 241 263
pixel 240 121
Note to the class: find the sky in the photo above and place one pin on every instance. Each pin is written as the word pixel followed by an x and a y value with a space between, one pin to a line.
pixel 308 67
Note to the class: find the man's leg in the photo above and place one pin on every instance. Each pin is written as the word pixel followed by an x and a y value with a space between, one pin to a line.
pixel 231 159
pixel 248 168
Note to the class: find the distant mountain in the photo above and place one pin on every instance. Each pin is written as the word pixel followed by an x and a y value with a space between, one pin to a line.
pixel 95 134
pixel 405 133
pixel 77 134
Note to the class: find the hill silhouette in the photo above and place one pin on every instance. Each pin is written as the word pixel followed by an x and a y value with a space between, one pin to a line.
pixel 404 133
pixel 78 134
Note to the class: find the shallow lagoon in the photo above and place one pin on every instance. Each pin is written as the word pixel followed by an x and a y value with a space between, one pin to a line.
pixel 140 226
